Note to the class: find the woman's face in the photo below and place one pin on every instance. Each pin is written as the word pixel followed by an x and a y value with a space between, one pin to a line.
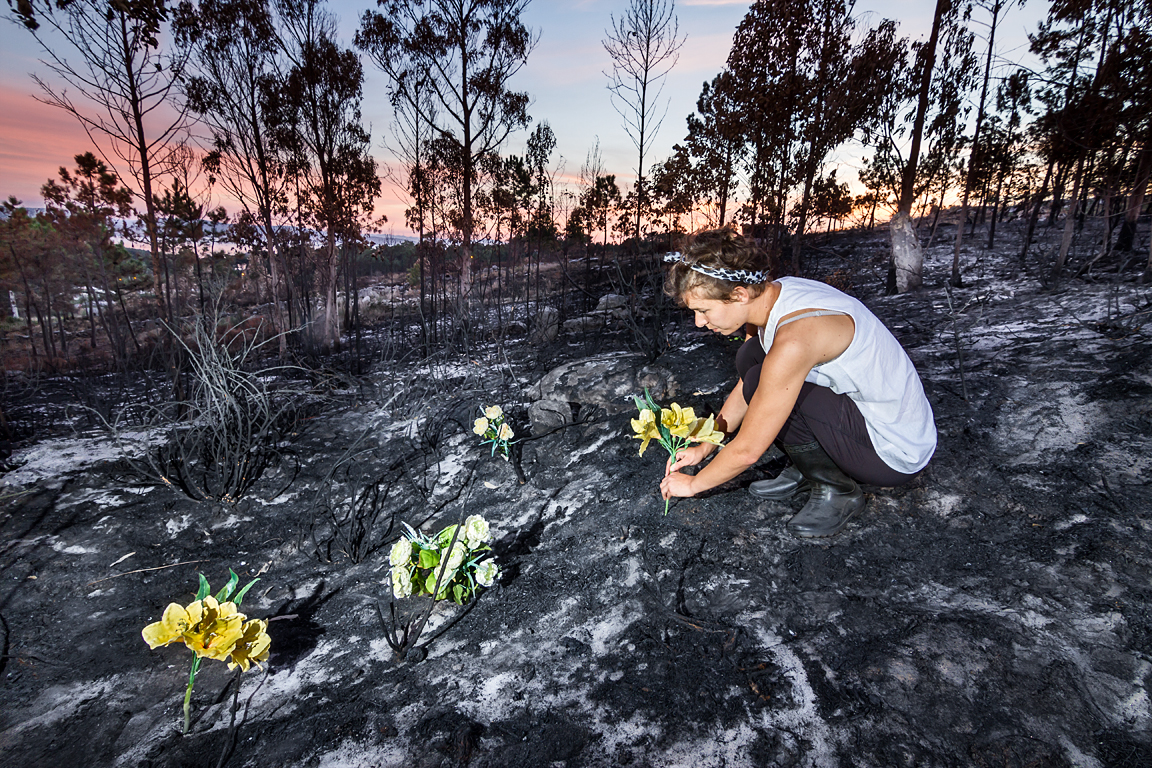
pixel 726 317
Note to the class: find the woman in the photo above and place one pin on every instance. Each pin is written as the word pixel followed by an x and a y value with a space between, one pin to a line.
pixel 822 377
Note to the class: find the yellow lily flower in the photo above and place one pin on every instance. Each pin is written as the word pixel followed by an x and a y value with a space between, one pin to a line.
pixel 480 426
pixel 704 431
pixel 640 425
pixel 646 429
pixel 169 629
pixel 677 420
pixel 216 629
pixel 252 647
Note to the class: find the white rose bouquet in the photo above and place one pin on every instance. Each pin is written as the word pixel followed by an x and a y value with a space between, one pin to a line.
pixel 494 429
pixel 419 560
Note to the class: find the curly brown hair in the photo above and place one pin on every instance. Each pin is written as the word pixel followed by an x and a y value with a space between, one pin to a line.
pixel 723 248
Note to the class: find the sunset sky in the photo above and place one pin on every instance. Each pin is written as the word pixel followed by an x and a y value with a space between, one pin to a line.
pixel 564 76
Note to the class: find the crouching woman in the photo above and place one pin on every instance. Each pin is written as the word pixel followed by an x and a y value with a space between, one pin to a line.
pixel 822 377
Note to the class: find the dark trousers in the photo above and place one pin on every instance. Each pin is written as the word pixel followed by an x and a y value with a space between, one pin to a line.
pixel 822 416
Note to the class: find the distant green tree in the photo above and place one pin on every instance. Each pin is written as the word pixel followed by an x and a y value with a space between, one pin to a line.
pixel 831 200
pixel 83 205
pixel 601 200
pixel 126 77
pixel 322 125
pixel 805 88
pixel 236 65
pixel 906 270
pixel 461 54
pixel 715 146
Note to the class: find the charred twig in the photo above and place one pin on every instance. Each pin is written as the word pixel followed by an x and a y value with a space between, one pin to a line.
pixel 956 340
pixel 142 570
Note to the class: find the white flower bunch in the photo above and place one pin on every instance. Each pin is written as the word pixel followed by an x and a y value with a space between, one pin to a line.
pixel 418 560
pixel 492 427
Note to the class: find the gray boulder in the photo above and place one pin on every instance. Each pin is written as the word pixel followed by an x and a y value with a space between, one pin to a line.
pixel 545 325
pixel 547 415
pixel 583 323
pixel 612 301
pixel 607 381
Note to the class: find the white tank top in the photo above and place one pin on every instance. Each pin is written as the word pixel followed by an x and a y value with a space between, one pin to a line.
pixel 874 371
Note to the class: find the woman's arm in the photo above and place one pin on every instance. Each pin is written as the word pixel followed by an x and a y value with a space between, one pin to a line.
pixel 728 421
pixel 796 350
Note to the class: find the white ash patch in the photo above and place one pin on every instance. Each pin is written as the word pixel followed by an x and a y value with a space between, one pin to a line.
pixel 52 460
pixel 72 549
pixel 231 521
pixel 945 504
pixel 174 526
pixel 355 754
pixel 1046 419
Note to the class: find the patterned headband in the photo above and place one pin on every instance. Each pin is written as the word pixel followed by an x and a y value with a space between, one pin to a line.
pixel 746 276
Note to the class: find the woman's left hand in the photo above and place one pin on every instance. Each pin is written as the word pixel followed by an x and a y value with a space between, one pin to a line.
pixel 676 484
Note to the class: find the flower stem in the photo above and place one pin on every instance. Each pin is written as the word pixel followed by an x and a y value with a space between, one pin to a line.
pixel 675 451
pixel 188 693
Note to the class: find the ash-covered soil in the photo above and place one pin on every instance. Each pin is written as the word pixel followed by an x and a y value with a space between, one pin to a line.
pixel 996 612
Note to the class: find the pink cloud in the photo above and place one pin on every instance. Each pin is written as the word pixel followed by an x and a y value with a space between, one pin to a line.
pixel 35 140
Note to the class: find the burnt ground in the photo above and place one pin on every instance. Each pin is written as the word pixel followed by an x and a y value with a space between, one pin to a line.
pixel 995 612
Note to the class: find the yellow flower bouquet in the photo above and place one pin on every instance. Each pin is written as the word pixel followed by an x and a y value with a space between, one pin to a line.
pixel 212 627
pixel 674 427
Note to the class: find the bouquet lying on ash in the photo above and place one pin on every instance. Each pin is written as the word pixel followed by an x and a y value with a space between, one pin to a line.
pixel 212 628
pixel 675 428
pixel 456 557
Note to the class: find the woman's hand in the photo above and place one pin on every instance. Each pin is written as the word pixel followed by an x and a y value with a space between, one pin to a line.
pixel 689 457
pixel 676 484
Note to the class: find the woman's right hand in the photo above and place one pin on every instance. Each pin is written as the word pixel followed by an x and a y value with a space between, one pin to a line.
pixel 689 457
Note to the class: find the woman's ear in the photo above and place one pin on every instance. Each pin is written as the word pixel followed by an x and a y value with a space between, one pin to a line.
pixel 740 295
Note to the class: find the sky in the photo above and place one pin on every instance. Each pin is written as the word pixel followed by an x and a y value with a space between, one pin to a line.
pixel 565 77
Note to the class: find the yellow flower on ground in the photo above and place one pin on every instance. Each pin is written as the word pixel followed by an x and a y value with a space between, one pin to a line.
pixel 480 426
pixel 215 630
pixel 506 432
pixel 169 629
pixel 252 647
pixel 493 412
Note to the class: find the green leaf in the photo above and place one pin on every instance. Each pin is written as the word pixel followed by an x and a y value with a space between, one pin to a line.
pixel 429 558
pixel 227 590
pixel 458 594
pixel 651 403
pixel 240 595
pixel 444 538
pixel 204 589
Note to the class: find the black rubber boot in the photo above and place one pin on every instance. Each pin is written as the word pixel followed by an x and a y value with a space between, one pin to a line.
pixel 835 496
pixel 784 486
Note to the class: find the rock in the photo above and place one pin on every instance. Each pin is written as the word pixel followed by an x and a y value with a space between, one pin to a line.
pixel 515 328
pixel 623 313
pixel 547 415
pixel 583 323
pixel 607 381
pixel 545 325
pixel 612 301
